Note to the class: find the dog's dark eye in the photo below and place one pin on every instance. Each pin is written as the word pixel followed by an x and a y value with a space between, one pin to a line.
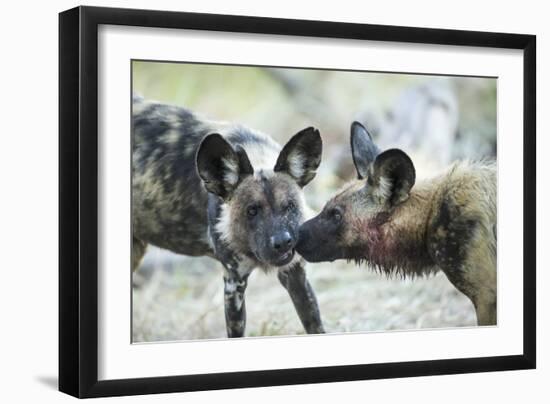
pixel 252 211
pixel 336 214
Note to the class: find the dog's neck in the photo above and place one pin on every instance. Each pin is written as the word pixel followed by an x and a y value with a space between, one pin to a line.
pixel 395 241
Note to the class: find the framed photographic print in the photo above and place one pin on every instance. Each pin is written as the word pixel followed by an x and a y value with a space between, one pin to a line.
pixel 249 201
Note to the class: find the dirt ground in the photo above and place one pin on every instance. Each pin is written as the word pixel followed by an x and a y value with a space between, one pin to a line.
pixel 181 298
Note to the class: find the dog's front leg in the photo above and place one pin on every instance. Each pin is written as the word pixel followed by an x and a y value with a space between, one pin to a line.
pixel 235 308
pixel 295 282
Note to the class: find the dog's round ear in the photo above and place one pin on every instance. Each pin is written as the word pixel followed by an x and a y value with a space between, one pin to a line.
pixel 301 156
pixel 392 176
pixel 221 167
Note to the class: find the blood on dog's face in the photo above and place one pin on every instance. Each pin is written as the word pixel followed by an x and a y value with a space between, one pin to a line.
pixel 349 224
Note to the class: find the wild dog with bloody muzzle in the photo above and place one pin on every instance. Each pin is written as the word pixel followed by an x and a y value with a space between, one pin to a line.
pixel 224 191
pixel 445 223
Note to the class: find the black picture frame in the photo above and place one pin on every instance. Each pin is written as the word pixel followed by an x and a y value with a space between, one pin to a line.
pixel 78 200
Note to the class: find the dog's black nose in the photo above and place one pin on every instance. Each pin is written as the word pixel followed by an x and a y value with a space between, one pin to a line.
pixel 281 241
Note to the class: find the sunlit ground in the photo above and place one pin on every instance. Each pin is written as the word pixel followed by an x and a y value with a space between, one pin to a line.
pixel 183 300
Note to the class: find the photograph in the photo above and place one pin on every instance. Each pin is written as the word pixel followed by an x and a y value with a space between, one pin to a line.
pixel 281 201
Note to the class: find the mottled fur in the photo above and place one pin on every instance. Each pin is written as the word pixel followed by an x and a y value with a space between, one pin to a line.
pixel 445 223
pixel 169 201
pixel 193 182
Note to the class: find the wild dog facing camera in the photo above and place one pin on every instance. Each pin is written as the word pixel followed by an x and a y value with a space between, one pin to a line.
pixel 207 188
pixel 262 201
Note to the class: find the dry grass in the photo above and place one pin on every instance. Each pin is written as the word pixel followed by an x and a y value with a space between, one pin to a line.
pixel 181 298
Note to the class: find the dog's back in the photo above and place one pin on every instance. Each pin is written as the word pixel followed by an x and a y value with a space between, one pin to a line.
pixel 462 237
pixel 168 200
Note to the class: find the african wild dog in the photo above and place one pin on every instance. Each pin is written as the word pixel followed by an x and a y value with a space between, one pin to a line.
pixel 446 223
pixel 207 188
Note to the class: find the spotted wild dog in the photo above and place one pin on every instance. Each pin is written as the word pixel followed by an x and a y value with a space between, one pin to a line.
pixel 445 223
pixel 203 188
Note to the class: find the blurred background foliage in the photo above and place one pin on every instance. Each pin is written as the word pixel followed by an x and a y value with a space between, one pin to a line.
pixel 435 119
